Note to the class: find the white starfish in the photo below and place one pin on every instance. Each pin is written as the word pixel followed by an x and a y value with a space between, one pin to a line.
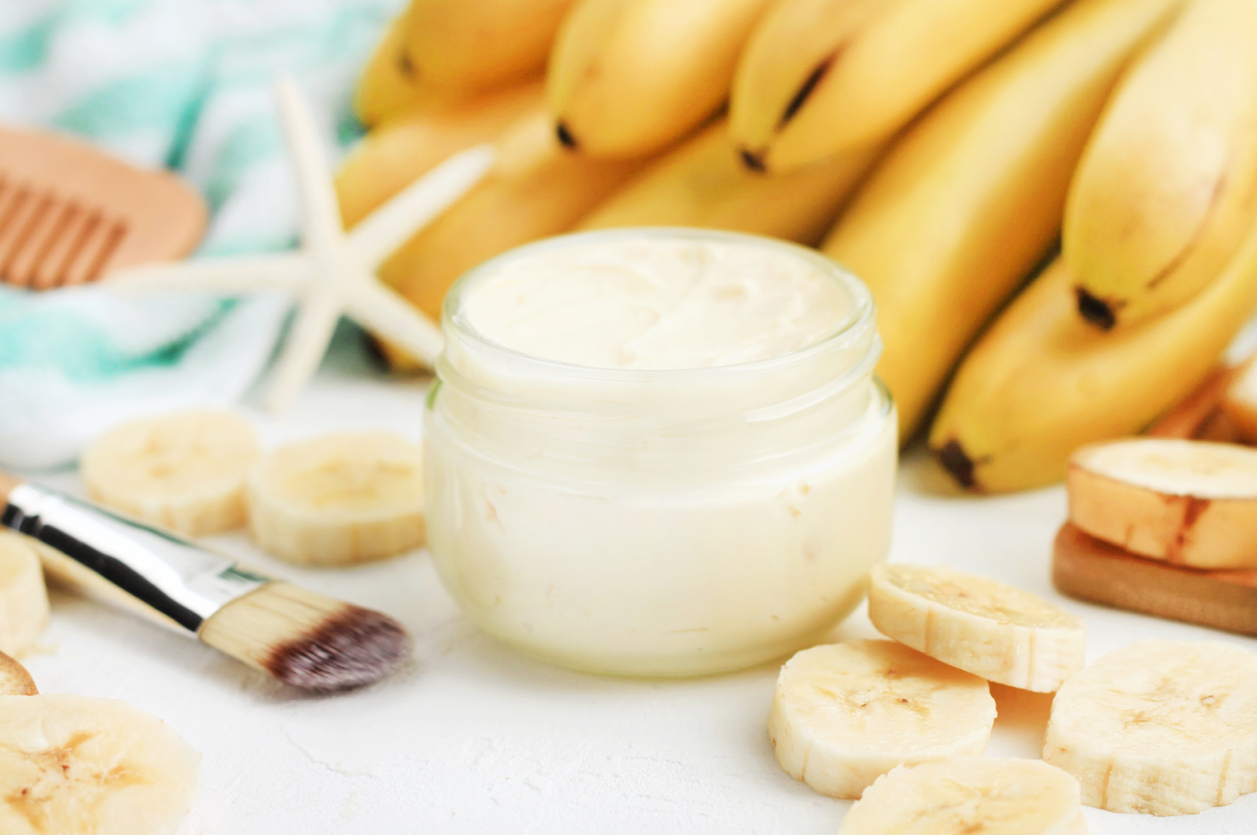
pixel 334 272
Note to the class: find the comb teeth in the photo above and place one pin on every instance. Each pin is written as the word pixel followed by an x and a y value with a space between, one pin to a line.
pixel 47 241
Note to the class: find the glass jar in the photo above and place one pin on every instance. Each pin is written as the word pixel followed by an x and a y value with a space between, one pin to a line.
pixel 659 523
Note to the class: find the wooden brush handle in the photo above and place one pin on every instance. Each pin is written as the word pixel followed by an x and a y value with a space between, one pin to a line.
pixel 7 485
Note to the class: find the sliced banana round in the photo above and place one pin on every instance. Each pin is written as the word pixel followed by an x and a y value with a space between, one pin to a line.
pixel 969 795
pixel 988 628
pixel 844 714
pixel 1188 502
pixel 23 598
pixel 339 499
pixel 183 471
pixel 1162 727
pixel 15 680
pixel 73 764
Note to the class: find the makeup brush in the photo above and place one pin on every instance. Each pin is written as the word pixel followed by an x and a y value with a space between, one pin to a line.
pixel 302 638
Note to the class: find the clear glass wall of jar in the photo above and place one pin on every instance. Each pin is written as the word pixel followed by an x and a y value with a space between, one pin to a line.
pixel 673 522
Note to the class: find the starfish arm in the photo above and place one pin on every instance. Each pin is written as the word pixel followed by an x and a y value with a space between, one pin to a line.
pixel 385 313
pixel 228 275
pixel 303 351
pixel 320 212
pixel 414 207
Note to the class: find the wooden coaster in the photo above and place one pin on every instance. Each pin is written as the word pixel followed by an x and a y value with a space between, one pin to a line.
pixel 1090 569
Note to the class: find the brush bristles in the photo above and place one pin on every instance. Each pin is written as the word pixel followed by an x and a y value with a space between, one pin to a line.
pixel 308 640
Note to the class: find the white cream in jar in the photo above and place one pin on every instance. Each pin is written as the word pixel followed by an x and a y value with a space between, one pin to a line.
pixel 659 452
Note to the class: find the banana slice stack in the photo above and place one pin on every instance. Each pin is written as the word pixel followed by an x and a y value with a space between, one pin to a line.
pixel 1164 526
pixel 845 714
pixel 1187 502
pixel 1164 728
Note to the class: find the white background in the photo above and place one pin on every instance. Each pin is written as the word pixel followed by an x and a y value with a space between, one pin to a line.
pixel 472 737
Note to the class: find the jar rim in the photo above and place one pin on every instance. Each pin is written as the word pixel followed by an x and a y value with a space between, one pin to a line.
pixel 862 313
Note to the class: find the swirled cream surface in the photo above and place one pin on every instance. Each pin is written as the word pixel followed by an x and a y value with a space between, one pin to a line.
pixel 658 303
pixel 717 507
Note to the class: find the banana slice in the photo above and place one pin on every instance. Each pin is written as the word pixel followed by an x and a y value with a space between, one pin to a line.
pixel 968 795
pixel 1187 502
pixel 183 471
pixel 844 714
pixel 988 628
pixel 72 765
pixel 1163 727
pixel 339 499
pixel 15 680
pixel 1239 403
pixel 23 598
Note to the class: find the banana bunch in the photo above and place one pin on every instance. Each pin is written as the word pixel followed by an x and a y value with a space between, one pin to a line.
pixel 971 197
pixel 939 149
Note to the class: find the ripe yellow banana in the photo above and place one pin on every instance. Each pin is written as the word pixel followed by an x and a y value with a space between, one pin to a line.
pixel 465 47
pixel 971 197
pixel 820 76
pixel 387 87
pixel 1042 382
pixel 1168 186
pixel 396 154
pixel 536 188
pixel 701 183
pixel 628 77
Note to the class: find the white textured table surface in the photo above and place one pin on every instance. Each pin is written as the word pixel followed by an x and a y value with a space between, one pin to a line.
pixel 473 738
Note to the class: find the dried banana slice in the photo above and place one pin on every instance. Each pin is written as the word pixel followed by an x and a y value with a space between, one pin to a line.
pixel 990 629
pixel 183 471
pixel 339 499
pixel 23 598
pixel 1163 727
pixel 969 795
pixel 73 764
pixel 15 680
pixel 844 714
pixel 1187 502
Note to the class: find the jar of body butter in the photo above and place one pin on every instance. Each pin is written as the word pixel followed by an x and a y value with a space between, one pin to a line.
pixel 659 451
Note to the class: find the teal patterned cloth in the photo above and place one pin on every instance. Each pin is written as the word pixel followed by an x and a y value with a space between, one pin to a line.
pixel 186 85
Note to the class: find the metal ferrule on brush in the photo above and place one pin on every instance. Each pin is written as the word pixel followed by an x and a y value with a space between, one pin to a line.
pixel 167 579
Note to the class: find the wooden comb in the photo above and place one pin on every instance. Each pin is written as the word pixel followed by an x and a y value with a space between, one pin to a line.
pixel 70 213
